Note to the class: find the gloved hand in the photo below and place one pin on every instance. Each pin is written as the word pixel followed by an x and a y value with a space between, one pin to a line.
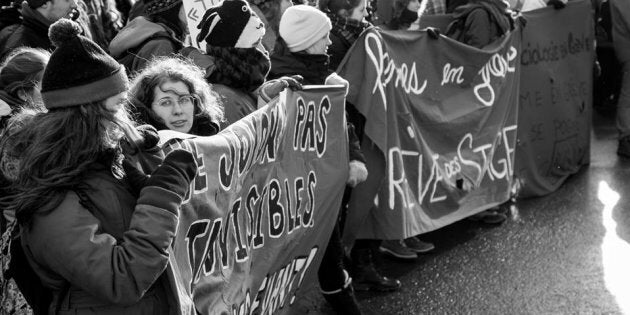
pixel 271 89
pixel 150 135
pixel 176 172
pixel 433 32
pixel 358 173
pixel 135 177
pixel 335 79
pixel 557 4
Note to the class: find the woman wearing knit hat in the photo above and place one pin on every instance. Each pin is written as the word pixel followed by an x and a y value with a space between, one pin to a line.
pixel 301 49
pixel 93 228
pixel 160 32
pixel 235 62
pixel 171 93
pixel 20 78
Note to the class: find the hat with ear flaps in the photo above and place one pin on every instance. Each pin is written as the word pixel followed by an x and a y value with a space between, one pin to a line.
pixel 79 71
pixel 231 24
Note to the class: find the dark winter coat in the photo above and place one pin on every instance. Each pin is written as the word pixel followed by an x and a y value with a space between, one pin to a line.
pixel 237 103
pixel 141 40
pixel 33 32
pixel 343 34
pixel 109 256
pixel 479 23
pixel 314 69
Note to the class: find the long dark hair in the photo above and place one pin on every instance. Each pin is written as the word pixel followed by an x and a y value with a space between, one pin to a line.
pixel 243 69
pixel 57 148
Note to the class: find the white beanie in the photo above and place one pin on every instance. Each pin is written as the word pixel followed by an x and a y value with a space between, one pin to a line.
pixel 301 26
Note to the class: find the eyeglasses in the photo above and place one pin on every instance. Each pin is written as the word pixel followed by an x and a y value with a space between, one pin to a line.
pixel 184 100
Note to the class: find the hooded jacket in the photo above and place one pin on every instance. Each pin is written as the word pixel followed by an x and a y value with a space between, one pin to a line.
pixel 141 40
pixel 33 32
pixel 479 22
pixel 109 256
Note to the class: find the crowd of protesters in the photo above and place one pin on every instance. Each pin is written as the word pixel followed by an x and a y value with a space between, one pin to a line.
pixel 84 83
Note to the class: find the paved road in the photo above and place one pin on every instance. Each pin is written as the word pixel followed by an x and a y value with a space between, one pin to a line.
pixel 565 253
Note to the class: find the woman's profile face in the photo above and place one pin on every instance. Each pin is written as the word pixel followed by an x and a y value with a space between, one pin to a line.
pixel 174 104
pixel 359 12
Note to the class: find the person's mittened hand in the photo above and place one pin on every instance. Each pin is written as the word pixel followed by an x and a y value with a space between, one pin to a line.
pixel 150 135
pixel 557 4
pixel 271 89
pixel 135 177
pixel 176 172
pixel 293 82
pixel 335 79
pixel 433 32
pixel 357 174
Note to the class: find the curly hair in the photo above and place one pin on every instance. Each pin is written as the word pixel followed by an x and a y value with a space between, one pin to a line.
pixel 173 69
pixel 57 149
pixel 339 7
pixel 22 70
pixel 243 69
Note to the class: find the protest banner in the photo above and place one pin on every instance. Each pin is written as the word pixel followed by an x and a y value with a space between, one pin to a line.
pixel 195 10
pixel 555 94
pixel 443 118
pixel 555 114
pixel 256 221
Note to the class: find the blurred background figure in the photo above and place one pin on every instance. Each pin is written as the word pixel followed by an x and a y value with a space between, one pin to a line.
pixel 620 17
pixel 20 81
pixel 37 16
pixel 270 12
pixel 160 32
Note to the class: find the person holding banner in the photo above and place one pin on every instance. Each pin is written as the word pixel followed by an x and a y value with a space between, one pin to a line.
pixel 302 49
pixel 620 16
pixel 160 33
pixel 93 228
pixel 171 93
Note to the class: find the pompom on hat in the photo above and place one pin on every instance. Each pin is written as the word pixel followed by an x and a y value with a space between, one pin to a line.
pixel 301 26
pixel 231 24
pixel 79 71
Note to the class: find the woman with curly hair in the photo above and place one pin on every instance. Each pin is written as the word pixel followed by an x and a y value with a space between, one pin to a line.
pixel 20 81
pixel 95 231
pixel 171 93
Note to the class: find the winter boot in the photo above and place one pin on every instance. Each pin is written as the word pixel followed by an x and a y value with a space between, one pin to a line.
pixel 366 277
pixel 343 300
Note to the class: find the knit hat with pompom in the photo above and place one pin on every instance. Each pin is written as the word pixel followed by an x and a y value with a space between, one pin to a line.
pixel 79 71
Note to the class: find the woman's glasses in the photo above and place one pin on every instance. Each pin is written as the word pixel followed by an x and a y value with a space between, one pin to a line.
pixel 183 100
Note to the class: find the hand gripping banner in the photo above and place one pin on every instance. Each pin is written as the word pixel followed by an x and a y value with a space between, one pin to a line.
pixel 442 117
pixel 259 214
